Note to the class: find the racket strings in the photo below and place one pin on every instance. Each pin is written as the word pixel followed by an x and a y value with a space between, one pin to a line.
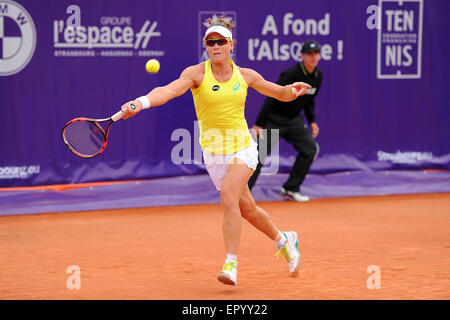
pixel 84 137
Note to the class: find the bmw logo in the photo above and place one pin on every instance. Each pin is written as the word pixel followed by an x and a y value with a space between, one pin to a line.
pixel 17 37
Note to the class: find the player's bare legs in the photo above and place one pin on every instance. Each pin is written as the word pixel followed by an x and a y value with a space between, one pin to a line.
pixel 257 216
pixel 233 185
pixel 234 181
pixel 237 202
pixel 287 242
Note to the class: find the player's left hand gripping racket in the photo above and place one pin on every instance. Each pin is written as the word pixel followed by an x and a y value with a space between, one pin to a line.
pixel 87 137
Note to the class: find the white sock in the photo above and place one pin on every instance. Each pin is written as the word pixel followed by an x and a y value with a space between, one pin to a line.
pixel 230 258
pixel 281 239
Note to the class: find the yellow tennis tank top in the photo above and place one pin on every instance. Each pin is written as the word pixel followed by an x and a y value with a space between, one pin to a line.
pixel 220 112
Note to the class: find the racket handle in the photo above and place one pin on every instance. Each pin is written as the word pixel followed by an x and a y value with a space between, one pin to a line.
pixel 117 116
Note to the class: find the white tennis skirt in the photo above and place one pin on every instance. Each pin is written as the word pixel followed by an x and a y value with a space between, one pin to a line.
pixel 216 164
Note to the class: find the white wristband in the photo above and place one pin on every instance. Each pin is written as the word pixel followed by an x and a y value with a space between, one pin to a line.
pixel 144 101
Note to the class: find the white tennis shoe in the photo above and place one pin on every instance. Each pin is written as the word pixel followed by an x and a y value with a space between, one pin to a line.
pixel 295 196
pixel 290 252
pixel 228 275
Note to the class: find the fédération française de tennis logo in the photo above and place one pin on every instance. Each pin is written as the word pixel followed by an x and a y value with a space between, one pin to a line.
pixel 17 37
pixel 400 39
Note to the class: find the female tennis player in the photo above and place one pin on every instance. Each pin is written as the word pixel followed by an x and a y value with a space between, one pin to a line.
pixel 219 88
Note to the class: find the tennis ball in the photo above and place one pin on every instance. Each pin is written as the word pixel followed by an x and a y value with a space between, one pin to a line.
pixel 152 66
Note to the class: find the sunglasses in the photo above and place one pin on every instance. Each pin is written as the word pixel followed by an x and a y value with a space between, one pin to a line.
pixel 219 41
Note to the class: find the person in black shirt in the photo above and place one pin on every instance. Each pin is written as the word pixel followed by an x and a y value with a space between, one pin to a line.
pixel 287 118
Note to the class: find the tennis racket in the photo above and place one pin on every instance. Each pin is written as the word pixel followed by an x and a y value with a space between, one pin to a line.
pixel 86 137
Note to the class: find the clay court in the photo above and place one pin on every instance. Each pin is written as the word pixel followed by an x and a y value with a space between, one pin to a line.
pixel 176 252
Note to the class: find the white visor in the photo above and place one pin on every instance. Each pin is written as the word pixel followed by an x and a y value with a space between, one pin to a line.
pixel 224 32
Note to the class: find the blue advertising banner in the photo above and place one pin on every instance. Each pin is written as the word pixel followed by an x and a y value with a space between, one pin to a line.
pixel 382 104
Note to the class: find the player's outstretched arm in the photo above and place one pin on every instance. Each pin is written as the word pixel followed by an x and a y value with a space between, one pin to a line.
pixel 283 93
pixel 161 95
